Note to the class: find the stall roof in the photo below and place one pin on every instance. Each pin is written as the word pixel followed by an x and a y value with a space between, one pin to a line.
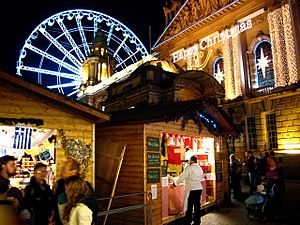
pixel 49 97
pixel 192 109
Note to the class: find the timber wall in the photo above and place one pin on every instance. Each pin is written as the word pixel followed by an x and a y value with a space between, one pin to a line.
pixel 14 104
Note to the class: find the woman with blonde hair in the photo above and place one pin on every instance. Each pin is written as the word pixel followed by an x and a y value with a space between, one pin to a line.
pixel 75 212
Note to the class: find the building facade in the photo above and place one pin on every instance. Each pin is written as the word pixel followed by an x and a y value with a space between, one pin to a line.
pixel 251 48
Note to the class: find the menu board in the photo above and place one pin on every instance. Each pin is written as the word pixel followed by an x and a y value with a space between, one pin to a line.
pixel 153 159
pixel 152 143
pixel 153 175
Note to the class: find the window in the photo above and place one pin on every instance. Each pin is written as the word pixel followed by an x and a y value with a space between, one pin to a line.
pixel 271 131
pixel 264 72
pixel 218 68
pixel 251 130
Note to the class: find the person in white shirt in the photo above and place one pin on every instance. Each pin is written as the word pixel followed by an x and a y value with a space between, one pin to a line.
pixel 192 175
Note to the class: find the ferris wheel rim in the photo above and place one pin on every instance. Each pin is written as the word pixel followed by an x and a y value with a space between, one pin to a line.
pixel 77 14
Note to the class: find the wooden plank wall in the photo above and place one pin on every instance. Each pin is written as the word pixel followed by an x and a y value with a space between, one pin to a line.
pixel 131 175
pixel 18 105
pixel 154 130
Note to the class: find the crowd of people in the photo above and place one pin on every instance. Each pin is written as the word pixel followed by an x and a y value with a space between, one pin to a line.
pixel 257 170
pixel 71 201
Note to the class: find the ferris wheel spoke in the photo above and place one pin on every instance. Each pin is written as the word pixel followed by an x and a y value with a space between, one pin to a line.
pixel 82 36
pixel 53 59
pixel 71 40
pixel 110 33
pixel 70 84
pixel 120 46
pixel 129 57
pixel 50 72
pixel 73 93
pixel 60 47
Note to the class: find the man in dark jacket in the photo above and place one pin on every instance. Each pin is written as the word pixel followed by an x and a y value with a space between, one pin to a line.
pixel 38 198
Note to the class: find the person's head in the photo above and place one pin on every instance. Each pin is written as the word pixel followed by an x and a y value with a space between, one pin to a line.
pixel 249 153
pixel 40 172
pixel 76 190
pixel 70 167
pixel 193 159
pixel 272 153
pixel 232 157
pixel 272 162
pixel 8 166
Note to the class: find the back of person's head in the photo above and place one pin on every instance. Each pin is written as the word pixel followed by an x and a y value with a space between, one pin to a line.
pixel 70 167
pixel 272 153
pixel 15 193
pixel 193 159
pixel 232 157
pixel 76 190
pixel 39 165
pixel 5 159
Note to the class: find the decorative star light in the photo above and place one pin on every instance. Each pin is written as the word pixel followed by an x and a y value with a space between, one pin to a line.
pixel 219 75
pixel 263 62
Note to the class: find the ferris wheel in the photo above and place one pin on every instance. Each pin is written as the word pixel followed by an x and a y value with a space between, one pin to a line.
pixel 53 53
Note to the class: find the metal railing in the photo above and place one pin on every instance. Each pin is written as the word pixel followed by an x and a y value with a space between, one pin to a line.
pixel 130 209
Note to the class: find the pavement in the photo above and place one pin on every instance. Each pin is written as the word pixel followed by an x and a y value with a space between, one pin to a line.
pixel 235 212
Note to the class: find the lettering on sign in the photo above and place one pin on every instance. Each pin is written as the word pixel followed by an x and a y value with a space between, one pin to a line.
pixel 153 159
pixel 211 40
pixel 153 175
pixel 152 143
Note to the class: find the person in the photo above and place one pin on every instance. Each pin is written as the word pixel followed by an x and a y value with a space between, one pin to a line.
pixel 275 173
pixel 235 177
pixel 11 195
pixel 74 211
pixel 250 170
pixel 70 168
pixel 8 169
pixel 192 175
pixel 38 197
pixel 7 211
pixel 8 196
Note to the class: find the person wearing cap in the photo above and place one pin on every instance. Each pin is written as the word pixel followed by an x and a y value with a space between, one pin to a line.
pixel 8 169
pixel 38 198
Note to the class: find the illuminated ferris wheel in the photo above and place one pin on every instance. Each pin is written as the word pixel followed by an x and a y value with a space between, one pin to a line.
pixel 53 53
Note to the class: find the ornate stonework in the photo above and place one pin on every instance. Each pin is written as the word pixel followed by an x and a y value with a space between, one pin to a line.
pixel 193 11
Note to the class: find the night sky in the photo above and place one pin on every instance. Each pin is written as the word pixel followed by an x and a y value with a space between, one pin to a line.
pixel 20 17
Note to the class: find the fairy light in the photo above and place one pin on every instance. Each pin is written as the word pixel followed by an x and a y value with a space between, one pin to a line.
pixel 229 83
pixel 237 65
pixel 283 46
pixel 290 44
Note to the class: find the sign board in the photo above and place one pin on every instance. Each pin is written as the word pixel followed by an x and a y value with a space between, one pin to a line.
pixel 218 167
pixel 152 143
pixel 153 175
pixel 164 171
pixel 219 177
pixel 153 159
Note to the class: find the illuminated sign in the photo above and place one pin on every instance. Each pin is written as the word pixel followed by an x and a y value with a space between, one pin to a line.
pixel 212 40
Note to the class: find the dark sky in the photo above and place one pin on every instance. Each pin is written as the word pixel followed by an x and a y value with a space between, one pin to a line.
pixel 20 17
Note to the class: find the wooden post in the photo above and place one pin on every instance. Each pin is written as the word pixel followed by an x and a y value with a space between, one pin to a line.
pixel 115 182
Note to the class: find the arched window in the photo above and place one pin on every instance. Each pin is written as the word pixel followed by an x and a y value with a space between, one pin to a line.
pixel 218 68
pixel 264 72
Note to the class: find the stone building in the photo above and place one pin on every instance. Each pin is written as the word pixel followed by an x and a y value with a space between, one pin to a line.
pixel 251 48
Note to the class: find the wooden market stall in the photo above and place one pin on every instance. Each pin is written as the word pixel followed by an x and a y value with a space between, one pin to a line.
pixel 40 125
